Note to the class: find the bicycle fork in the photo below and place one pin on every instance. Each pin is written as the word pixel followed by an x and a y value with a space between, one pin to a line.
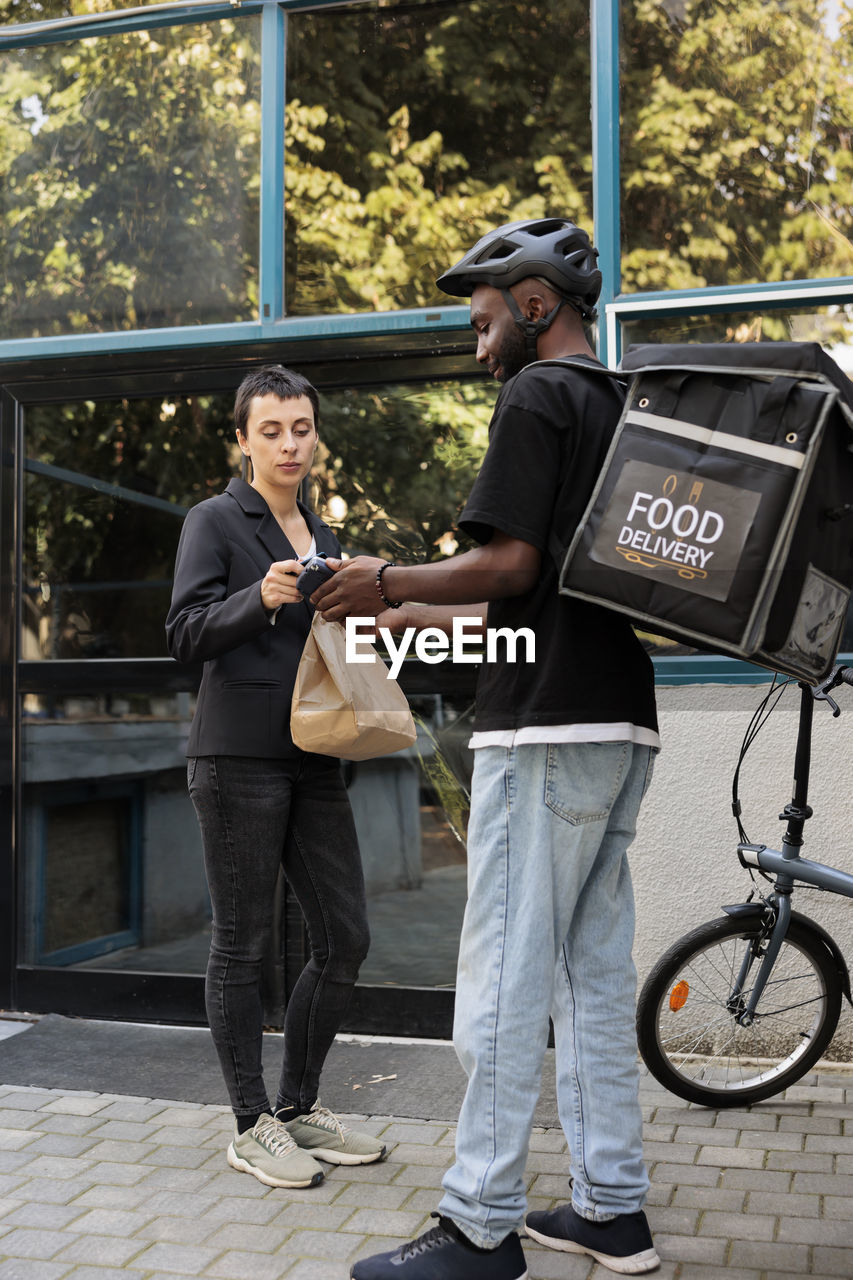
pixel 744 1011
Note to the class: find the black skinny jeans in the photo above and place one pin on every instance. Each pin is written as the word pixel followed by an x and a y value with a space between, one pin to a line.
pixel 256 815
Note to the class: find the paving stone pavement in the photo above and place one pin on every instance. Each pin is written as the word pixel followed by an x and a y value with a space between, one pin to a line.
pixel 98 1186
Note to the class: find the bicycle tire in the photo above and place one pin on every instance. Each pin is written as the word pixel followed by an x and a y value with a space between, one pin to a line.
pixel 706 1056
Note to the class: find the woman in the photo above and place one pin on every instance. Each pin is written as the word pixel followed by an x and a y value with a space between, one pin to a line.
pixel 262 803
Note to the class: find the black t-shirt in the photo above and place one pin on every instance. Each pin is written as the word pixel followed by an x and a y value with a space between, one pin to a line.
pixel 548 437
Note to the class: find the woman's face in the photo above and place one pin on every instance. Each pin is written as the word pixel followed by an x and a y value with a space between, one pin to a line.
pixel 280 439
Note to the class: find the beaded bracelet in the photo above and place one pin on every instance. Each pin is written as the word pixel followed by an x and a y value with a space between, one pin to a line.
pixel 389 604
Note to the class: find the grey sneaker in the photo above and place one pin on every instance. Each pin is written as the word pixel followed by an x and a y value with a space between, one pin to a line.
pixel 269 1152
pixel 323 1134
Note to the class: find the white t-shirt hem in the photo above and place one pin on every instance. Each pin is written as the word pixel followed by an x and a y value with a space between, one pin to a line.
pixel 612 732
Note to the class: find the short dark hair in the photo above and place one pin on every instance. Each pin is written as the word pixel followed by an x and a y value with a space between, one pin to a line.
pixel 272 380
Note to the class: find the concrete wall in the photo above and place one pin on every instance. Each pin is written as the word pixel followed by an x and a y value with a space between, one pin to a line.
pixel 684 862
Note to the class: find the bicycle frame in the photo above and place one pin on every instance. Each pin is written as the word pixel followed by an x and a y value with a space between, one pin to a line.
pixel 786 864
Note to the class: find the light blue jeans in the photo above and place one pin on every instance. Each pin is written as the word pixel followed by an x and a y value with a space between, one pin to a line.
pixel 548 930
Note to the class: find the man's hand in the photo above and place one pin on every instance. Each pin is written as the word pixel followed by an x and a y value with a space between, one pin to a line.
pixel 279 585
pixel 352 591
pixel 504 566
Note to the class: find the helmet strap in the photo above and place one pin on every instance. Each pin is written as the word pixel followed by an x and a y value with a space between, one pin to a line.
pixel 530 328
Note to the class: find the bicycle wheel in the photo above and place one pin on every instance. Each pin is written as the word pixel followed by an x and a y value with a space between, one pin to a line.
pixel 686 1025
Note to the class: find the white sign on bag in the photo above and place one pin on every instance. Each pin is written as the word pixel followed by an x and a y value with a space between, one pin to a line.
pixel 676 527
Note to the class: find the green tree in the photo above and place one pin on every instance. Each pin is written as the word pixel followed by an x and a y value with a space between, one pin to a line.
pixel 412 129
pixel 129 168
pixel 736 157
pixel 395 465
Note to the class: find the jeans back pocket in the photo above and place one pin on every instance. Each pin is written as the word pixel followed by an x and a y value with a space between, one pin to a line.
pixel 582 779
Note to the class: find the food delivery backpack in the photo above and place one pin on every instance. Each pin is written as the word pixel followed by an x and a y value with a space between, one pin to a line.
pixel 723 514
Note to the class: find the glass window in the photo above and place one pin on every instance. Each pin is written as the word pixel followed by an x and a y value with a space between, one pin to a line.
pixel 735 155
pixel 104 793
pixel 415 125
pixel 411 813
pixel 106 487
pixel 12 11
pixel 831 326
pixel 104 786
pixel 107 484
pixel 129 179
pixel 396 463
pixel 93 908
pixel 114 875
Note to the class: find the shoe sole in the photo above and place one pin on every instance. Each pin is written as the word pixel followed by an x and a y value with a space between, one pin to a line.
pixel 634 1265
pixel 525 1275
pixel 243 1166
pixel 341 1157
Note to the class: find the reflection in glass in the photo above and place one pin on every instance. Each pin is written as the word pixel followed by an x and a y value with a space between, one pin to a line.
pixel 21 11
pixel 831 326
pixel 413 126
pixel 107 484
pixel 129 174
pixel 735 142
pixel 106 487
pixel 411 814
pixel 114 873
pixel 93 836
pixel 396 463
pixel 113 866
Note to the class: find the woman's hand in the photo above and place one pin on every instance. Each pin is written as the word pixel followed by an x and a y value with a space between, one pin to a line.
pixel 279 585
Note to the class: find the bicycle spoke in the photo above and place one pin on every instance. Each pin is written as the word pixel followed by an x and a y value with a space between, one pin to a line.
pixel 701 1036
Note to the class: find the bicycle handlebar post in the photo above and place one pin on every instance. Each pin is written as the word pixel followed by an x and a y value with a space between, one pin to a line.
pixel 798 811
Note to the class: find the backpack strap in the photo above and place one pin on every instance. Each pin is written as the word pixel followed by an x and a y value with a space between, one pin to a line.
pixel 555 546
pixel 579 362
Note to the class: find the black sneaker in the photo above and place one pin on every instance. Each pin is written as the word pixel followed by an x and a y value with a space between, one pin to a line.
pixel 623 1244
pixel 445 1253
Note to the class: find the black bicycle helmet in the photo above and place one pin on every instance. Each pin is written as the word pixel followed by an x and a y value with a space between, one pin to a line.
pixel 553 249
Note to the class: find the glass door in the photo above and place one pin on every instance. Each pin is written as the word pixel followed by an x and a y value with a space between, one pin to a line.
pixel 113 915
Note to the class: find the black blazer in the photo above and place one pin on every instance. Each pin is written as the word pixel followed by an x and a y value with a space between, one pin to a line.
pixel 216 617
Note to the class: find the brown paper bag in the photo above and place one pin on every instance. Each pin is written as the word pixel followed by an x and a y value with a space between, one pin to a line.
pixel 346 709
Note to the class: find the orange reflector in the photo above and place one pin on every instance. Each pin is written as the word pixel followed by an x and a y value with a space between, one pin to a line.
pixel 678 996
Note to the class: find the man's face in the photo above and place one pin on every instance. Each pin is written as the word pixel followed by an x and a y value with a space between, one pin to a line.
pixel 500 343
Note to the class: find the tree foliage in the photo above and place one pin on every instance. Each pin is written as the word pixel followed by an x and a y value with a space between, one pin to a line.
pixel 98 556
pixel 737 143
pixel 129 171
pixel 130 165
pixel 413 129
pixel 397 463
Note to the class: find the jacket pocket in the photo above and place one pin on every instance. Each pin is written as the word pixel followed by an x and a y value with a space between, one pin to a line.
pixel 251 684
